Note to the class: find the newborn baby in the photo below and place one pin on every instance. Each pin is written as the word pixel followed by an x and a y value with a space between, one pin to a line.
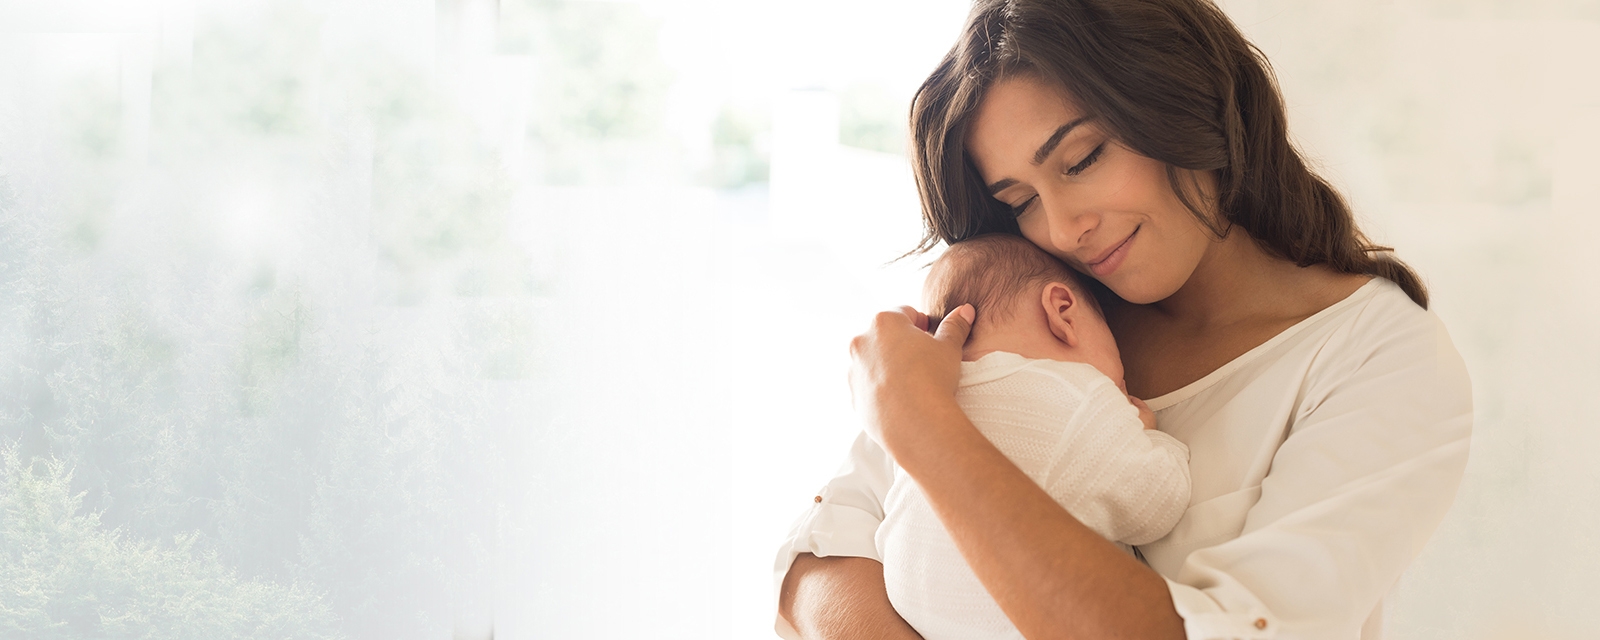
pixel 1041 378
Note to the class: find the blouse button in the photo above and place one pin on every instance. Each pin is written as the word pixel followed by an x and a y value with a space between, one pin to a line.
pixel 819 499
pixel 1261 623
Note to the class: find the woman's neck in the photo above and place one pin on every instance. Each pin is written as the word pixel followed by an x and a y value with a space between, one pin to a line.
pixel 1237 282
pixel 1237 298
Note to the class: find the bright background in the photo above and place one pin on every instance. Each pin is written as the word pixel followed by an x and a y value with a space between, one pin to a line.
pixel 413 319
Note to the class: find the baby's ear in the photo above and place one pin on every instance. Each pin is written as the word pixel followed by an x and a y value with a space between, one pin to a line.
pixel 1060 309
pixel 1059 299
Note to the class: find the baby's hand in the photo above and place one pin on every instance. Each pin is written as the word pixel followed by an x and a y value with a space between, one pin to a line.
pixel 1146 416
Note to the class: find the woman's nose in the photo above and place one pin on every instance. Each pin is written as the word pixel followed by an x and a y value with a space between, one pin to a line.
pixel 1069 225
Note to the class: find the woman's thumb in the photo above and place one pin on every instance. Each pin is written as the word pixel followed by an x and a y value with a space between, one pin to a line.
pixel 955 326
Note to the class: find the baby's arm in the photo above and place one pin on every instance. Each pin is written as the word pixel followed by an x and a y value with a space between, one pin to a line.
pixel 1115 472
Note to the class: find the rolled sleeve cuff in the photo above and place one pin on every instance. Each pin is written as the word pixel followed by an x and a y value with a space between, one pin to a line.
pixel 827 529
pixel 1204 619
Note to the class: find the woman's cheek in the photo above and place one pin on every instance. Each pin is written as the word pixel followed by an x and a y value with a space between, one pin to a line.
pixel 1036 229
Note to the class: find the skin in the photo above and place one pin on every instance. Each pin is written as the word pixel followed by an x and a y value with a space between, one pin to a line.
pixel 842 598
pixel 1194 303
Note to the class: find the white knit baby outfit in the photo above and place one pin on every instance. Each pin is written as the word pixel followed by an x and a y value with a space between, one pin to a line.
pixel 1071 430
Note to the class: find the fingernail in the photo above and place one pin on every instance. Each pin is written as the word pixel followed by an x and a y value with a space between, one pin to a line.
pixel 966 312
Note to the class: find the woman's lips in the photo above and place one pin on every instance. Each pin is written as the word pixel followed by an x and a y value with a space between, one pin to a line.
pixel 1105 266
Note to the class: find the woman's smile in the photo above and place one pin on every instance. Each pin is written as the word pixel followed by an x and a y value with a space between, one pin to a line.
pixel 1112 258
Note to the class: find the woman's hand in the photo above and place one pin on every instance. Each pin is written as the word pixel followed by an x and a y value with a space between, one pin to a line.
pixel 900 371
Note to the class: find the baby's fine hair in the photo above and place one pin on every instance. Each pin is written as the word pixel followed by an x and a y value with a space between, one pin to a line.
pixel 990 271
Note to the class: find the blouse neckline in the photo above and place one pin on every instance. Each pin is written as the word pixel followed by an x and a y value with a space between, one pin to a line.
pixel 1194 388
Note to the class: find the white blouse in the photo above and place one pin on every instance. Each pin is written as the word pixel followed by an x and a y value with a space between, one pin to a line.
pixel 1321 462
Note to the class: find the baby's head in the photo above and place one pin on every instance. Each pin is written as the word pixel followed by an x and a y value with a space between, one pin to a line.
pixel 1028 303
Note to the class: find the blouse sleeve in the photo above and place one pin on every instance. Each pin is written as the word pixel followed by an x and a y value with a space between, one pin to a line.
pixel 843 519
pixel 1375 448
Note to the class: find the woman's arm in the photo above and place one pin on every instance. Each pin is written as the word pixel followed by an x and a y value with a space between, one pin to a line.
pixel 840 598
pixel 1054 577
pixel 841 524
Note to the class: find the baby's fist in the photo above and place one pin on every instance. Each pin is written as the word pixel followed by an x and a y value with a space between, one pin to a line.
pixel 1146 416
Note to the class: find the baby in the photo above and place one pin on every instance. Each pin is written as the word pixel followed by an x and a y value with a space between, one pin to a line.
pixel 1041 378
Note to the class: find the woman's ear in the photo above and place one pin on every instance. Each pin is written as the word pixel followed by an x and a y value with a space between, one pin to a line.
pixel 1060 310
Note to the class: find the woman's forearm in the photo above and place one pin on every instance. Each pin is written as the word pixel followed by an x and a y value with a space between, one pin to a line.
pixel 840 598
pixel 1054 577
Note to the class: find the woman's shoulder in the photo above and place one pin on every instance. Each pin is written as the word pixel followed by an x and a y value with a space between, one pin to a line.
pixel 1384 334
pixel 1381 314
pixel 1368 334
pixel 1387 295
pixel 1376 317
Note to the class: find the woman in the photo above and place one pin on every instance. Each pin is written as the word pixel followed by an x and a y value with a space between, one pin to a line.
pixel 1325 409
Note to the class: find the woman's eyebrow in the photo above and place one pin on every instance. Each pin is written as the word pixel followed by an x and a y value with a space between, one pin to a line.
pixel 1049 145
pixel 1055 139
pixel 1001 186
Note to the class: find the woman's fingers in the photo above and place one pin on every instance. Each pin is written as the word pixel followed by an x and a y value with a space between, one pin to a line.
pixel 896 365
pixel 956 326
pixel 918 318
pixel 884 323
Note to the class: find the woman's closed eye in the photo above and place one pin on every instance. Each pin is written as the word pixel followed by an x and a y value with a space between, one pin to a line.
pixel 1019 209
pixel 1022 207
pixel 1087 160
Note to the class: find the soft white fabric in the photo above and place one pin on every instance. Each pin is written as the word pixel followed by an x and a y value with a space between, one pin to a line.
pixel 1074 433
pixel 1321 463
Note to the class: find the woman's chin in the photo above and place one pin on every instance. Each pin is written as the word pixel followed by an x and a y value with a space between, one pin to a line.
pixel 1141 292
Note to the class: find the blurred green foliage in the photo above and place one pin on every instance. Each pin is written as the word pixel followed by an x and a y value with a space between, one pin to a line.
pixel 600 76
pixel 741 139
pixel 66 576
pixel 92 118
pixel 600 91
pixel 870 118
pixel 243 380
pixel 255 75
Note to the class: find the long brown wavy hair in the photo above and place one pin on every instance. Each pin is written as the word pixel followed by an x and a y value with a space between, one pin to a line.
pixel 1173 80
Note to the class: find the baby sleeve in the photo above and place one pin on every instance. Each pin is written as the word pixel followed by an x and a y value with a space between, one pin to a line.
pixel 1127 483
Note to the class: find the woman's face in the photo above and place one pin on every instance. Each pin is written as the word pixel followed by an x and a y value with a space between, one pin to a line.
pixel 1104 209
